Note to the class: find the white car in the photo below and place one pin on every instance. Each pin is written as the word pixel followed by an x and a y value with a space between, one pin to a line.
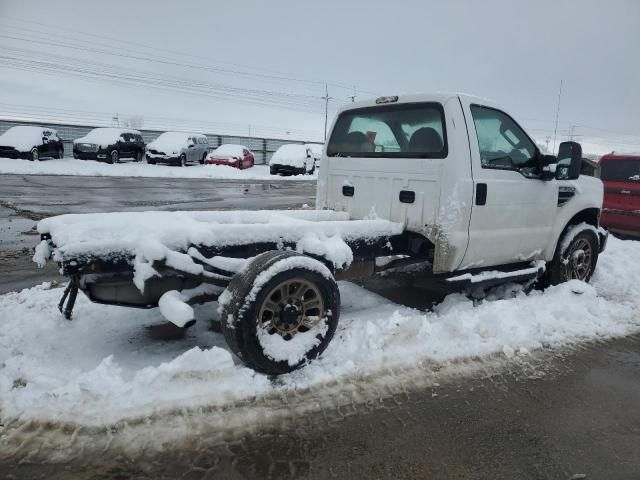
pixel 178 148
pixel 292 159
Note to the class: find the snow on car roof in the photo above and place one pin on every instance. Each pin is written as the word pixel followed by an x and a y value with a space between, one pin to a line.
pixel 104 136
pixel 172 140
pixel 22 137
pixel 230 150
pixel 293 154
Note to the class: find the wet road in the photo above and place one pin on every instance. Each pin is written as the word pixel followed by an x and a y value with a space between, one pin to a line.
pixel 25 199
pixel 561 415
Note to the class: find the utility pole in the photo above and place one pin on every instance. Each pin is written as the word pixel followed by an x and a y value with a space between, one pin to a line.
pixel 353 97
pixel 326 99
pixel 555 131
pixel 572 132
pixel 547 139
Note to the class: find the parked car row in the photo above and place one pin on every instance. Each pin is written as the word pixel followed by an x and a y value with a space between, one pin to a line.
pixel 114 145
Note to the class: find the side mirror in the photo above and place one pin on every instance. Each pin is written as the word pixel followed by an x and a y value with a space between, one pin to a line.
pixel 548 167
pixel 569 161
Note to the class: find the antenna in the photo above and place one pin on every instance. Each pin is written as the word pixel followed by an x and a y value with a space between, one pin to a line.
pixel 555 131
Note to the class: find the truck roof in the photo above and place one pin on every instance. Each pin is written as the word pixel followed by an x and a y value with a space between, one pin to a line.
pixel 440 97
pixel 619 156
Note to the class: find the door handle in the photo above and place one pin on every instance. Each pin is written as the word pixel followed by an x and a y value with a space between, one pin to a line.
pixel 407 196
pixel 348 190
pixel 481 193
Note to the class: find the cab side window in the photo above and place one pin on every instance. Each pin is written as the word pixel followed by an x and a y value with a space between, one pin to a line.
pixel 502 143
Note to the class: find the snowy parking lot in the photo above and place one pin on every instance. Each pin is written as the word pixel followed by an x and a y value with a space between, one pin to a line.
pixel 91 168
pixel 104 367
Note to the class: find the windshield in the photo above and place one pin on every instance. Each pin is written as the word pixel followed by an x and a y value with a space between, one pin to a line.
pixel 621 170
pixel 413 130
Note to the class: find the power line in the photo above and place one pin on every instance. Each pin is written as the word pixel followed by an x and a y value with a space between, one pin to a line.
pixel 251 71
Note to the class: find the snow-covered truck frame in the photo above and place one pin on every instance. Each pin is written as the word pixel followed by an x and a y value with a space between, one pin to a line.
pixel 448 181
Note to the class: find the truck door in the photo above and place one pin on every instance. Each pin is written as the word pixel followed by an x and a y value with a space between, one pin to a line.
pixel 403 162
pixel 513 209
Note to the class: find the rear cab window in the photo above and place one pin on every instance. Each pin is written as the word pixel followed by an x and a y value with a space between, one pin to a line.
pixel 620 170
pixel 410 130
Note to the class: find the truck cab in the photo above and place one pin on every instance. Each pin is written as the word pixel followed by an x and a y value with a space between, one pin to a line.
pixel 620 174
pixel 460 173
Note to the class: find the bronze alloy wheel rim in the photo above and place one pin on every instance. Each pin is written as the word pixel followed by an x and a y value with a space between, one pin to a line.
pixel 293 306
pixel 578 260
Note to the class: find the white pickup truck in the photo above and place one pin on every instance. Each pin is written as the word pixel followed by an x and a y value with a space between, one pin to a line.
pixel 446 180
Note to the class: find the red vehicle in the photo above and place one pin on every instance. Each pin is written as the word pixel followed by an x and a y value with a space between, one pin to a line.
pixel 231 155
pixel 621 209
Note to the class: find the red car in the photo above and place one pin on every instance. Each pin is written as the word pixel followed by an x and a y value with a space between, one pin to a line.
pixel 231 155
pixel 621 177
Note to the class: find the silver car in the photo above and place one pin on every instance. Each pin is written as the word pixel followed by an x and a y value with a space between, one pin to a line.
pixel 178 148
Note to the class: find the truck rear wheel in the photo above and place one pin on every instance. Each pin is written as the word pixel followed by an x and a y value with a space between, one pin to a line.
pixel 575 259
pixel 280 312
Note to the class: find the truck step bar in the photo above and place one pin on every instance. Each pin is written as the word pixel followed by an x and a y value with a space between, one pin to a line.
pixel 497 277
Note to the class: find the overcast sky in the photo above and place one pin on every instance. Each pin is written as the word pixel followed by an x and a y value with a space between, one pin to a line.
pixel 233 64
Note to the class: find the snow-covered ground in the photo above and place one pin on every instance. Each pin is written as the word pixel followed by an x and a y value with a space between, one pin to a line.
pixel 90 168
pixel 103 367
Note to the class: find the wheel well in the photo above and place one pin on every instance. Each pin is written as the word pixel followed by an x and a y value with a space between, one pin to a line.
pixel 588 215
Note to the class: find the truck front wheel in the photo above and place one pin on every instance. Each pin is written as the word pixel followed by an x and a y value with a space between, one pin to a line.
pixel 576 256
pixel 280 312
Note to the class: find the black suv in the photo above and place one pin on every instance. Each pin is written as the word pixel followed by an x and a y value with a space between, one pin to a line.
pixel 110 145
pixel 32 143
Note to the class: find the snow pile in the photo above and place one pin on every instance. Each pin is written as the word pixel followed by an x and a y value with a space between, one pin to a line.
pixel 23 138
pixel 149 236
pixel 292 154
pixel 169 142
pixel 104 136
pixel 228 151
pixel 91 168
pixel 101 367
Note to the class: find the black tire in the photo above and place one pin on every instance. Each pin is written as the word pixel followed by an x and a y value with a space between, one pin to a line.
pixel 114 157
pixel 182 161
pixel 151 162
pixel 34 155
pixel 138 158
pixel 59 153
pixel 240 315
pixel 204 157
pixel 570 264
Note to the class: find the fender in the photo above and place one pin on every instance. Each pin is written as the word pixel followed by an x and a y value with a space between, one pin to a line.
pixel 578 201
